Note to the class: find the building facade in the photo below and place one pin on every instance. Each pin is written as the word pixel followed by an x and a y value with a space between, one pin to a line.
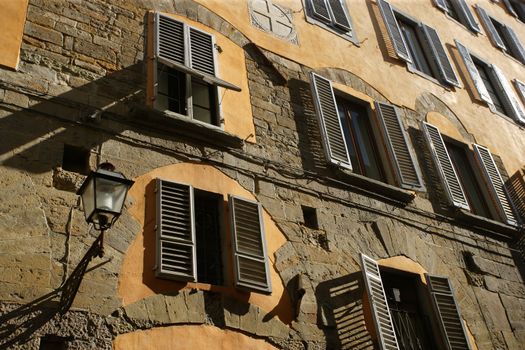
pixel 309 174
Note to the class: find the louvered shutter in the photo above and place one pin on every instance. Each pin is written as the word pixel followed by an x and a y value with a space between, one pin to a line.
pixel 474 74
pixel 495 184
pixel 441 4
pixel 398 42
pixel 521 89
pixel 466 14
pixel 489 26
pixel 379 304
pixel 176 250
pixel 514 43
pixel 397 145
pixel 186 49
pixel 249 246
pixel 444 166
pixel 329 122
pixel 448 314
pixel 510 8
pixel 339 15
pixel 320 9
pixel 509 98
pixel 439 55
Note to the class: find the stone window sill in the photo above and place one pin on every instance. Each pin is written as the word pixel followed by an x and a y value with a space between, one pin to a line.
pixel 380 188
pixel 177 124
pixel 485 224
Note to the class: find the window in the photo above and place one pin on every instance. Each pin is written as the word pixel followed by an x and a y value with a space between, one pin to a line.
pixel 417 44
pixel 352 138
pixel 185 71
pixel 404 316
pixel 516 8
pixel 310 217
pixel 331 14
pixel 190 236
pixel 491 86
pixel 460 11
pixel 502 36
pixel 460 177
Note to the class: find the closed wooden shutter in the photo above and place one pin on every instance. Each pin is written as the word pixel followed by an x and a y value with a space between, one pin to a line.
pixel 520 86
pixel 176 250
pixel 448 314
pixel 340 16
pixel 379 304
pixel 396 140
pixel 509 98
pixel 398 42
pixel 320 9
pixel 489 26
pixel 329 121
pixel 441 4
pixel 510 8
pixel 187 49
pixel 495 184
pixel 444 166
pixel 467 16
pixel 439 55
pixel 515 45
pixel 249 245
pixel 481 89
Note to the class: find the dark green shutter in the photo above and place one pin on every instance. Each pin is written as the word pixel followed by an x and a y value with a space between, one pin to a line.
pixel 398 42
pixel 509 98
pixel 339 15
pixel 439 55
pixel 474 74
pixel 489 26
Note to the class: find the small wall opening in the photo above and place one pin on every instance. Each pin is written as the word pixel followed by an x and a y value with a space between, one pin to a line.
pixel 310 217
pixel 76 159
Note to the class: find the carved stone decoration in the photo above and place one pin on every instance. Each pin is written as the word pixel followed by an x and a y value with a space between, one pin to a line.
pixel 273 19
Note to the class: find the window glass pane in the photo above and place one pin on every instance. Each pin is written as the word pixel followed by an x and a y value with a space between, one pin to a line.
pixel 451 10
pixel 208 237
pixel 171 92
pixel 468 180
pixel 414 46
pixel 345 122
pixel 203 102
pixel 482 69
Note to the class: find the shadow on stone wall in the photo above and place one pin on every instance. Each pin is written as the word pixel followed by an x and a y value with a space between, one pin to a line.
pixel 342 314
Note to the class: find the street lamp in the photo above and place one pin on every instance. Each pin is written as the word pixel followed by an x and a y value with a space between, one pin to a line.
pixel 103 194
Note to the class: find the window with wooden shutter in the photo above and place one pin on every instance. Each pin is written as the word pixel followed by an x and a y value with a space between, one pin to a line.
pixel 441 4
pixel 439 56
pixel 398 42
pixel 395 137
pixel 520 87
pixel 329 121
pixel 175 231
pixel 510 8
pixel 379 304
pixel 467 17
pixel 249 245
pixel 495 184
pixel 448 313
pixel 508 97
pixel 489 26
pixel 444 167
pixel 339 16
pixel 332 13
pixel 473 72
pixel 515 47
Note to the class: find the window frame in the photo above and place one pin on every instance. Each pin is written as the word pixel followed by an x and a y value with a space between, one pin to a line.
pixel 460 7
pixel 328 24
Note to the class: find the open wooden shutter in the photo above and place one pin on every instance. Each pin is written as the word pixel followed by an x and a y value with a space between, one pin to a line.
pixel 329 122
pixel 520 86
pixel 448 314
pixel 396 141
pixel 398 42
pixel 510 8
pixel 379 304
pixel 509 98
pixel 249 246
pixel 186 49
pixel 444 166
pixel 514 43
pixel 467 16
pixel 339 15
pixel 489 26
pixel 176 250
pixel 474 74
pixel 495 184
pixel 439 55
pixel 320 10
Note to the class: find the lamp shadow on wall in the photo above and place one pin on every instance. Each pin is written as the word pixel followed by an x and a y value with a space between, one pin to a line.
pixel 343 313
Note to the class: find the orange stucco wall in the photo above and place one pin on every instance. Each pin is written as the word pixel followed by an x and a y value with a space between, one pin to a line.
pixel 320 48
pixel 137 279
pixel 188 337
pixel 236 111
pixel 12 20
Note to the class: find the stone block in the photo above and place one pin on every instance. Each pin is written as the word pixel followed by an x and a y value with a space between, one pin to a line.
pixel 493 311
pixel 157 309
pixel 95 51
pixel 137 310
pixel 16 99
pixel 43 33
pixel 177 308
pixel 195 304
pixel 248 321
pixel 505 287
pixel 515 310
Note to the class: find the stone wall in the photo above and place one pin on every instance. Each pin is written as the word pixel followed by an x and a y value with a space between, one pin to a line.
pixel 80 77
